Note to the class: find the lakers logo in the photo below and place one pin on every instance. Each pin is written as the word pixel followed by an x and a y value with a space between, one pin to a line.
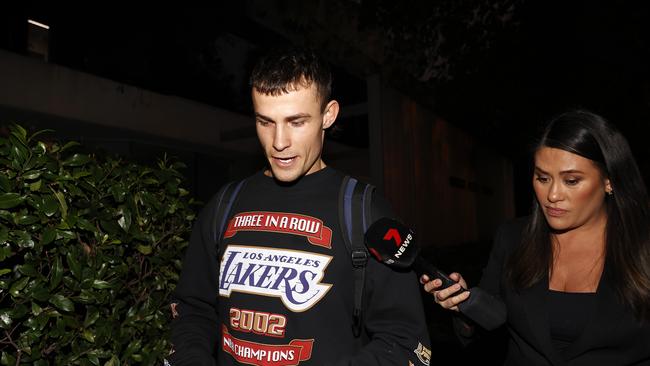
pixel 293 276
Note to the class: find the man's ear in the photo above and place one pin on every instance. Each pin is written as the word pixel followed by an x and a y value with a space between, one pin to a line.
pixel 330 113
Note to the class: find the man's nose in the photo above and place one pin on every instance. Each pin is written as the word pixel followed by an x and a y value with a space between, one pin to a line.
pixel 281 138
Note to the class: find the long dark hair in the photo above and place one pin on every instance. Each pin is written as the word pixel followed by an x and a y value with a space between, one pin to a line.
pixel 627 244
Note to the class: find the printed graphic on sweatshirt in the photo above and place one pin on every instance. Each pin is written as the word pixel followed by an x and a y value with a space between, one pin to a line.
pixel 293 276
pixel 423 353
pixel 258 322
pixel 279 222
pixel 259 354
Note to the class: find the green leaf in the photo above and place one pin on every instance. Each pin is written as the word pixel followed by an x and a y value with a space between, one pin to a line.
pixel 171 187
pixel 27 270
pixel 5 319
pixel 19 153
pixel 66 235
pixel 19 132
pixel 85 225
pixel 73 189
pixel 15 289
pixel 56 273
pixel 99 284
pixel 93 359
pixel 26 219
pixel 31 175
pixel 50 205
pixel 48 236
pixel 73 264
pixel 19 311
pixel 40 147
pixel 179 165
pixel 119 192
pixel 81 174
pixel 63 205
pixel 70 221
pixel 36 186
pixel 150 181
pixel 4 234
pixel 114 361
pixel 88 335
pixel 86 297
pixel 10 200
pixel 77 160
pixel 4 271
pixel 91 317
pixel 62 303
pixel 7 359
pixel 125 218
pixel 23 239
pixel 132 348
pixel 36 309
pixel 5 252
pixel 41 363
pixel 69 145
pixel 144 249
pixel 5 185
pixel 39 132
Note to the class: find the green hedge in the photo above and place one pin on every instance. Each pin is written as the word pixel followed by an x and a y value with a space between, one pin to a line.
pixel 90 250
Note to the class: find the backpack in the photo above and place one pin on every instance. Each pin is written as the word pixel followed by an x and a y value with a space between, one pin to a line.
pixel 354 218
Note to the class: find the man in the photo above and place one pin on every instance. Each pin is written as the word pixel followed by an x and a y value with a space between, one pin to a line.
pixel 284 291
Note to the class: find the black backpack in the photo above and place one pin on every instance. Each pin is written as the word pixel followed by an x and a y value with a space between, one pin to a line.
pixel 354 218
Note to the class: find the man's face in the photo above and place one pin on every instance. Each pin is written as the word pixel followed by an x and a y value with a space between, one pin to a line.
pixel 291 128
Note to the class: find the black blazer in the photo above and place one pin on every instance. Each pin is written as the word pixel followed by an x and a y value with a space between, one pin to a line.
pixel 612 336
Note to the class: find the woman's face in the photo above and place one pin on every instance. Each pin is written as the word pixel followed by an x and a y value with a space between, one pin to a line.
pixel 570 189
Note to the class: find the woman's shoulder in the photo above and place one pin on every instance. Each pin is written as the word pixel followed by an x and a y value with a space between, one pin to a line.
pixel 514 226
pixel 509 233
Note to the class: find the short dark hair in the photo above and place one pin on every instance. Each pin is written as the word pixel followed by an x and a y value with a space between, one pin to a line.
pixel 627 242
pixel 289 69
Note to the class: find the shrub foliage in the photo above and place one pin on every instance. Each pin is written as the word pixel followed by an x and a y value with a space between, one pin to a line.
pixel 90 250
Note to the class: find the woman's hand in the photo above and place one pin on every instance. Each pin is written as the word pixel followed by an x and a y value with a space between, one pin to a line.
pixel 444 297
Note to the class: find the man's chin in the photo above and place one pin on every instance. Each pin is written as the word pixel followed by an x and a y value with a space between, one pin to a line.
pixel 283 175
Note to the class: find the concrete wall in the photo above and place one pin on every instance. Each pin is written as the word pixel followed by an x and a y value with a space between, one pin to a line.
pixel 32 85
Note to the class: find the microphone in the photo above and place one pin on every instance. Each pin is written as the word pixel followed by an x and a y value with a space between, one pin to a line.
pixel 395 245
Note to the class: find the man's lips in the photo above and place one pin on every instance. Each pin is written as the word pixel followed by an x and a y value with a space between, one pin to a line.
pixel 284 160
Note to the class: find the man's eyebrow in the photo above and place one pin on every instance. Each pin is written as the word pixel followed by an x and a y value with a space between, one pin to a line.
pixel 261 116
pixel 297 116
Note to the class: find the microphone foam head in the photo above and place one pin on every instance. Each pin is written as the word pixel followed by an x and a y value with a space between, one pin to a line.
pixel 392 243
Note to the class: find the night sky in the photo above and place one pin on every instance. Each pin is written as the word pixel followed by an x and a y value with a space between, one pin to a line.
pixel 564 54
pixel 554 55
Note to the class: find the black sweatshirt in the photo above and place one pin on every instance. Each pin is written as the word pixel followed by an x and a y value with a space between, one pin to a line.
pixel 284 295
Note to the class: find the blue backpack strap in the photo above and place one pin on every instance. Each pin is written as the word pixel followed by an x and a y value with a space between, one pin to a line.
pixel 225 199
pixel 354 216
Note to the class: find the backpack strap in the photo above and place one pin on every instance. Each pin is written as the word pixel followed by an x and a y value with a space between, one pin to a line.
pixel 225 199
pixel 354 216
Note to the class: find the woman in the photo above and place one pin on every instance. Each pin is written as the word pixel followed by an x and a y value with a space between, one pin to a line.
pixel 575 275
